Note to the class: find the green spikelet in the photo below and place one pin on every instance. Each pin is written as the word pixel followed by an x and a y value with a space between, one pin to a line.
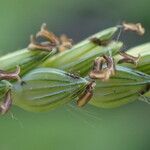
pixel 46 89
pixel 80 58
pixel 125 87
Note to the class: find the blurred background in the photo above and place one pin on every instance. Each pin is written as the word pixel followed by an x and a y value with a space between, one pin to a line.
pixel 124 128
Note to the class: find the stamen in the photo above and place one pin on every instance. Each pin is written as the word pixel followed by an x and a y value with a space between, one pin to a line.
pixel 101 73
pixel 5 106
pixel 50 36
pixel 127 58
pixel 110 64
pixel 87 95
pixel 134 27
pixel 45 46
pixel 61 44
pixel 10 75
pixel 66 43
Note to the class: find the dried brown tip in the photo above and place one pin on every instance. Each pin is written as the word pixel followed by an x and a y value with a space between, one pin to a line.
pixel 45 46
pixel 53 42
pixel 128 58
pixel 99 42
pixel 10 75
pixel 6 104
pixel 51 37
pixel 87 95
pixel 99 72
pixel 65 43
pixel 110 64
pixel 138 28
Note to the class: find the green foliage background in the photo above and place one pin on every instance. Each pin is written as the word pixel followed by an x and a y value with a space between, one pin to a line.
pixel 125 128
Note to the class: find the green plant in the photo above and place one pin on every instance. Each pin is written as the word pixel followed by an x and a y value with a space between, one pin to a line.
pixel 45 88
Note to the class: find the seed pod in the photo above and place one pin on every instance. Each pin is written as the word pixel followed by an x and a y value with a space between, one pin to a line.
pixel 46 89
pixel 124 90
pixel 79 59
pixel 125 87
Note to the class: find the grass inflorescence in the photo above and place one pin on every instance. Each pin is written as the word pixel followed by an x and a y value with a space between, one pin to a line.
pixel 54 72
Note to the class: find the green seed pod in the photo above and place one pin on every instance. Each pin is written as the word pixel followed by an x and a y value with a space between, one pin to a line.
pixel 144 60
pixel 46 89
pixel 25 59
pixel 79 58
pixel 82 64
pixel 143 63
pixel 125 87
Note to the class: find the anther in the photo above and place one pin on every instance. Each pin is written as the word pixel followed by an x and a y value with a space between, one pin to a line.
pixel 128 58
pixel 51 37
pixel 101 72
pixel 133 27
pixel 10 75
pixel 53 42
pixel 87 95
pixel 66 43
pixel 6 104
pixel 45 46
